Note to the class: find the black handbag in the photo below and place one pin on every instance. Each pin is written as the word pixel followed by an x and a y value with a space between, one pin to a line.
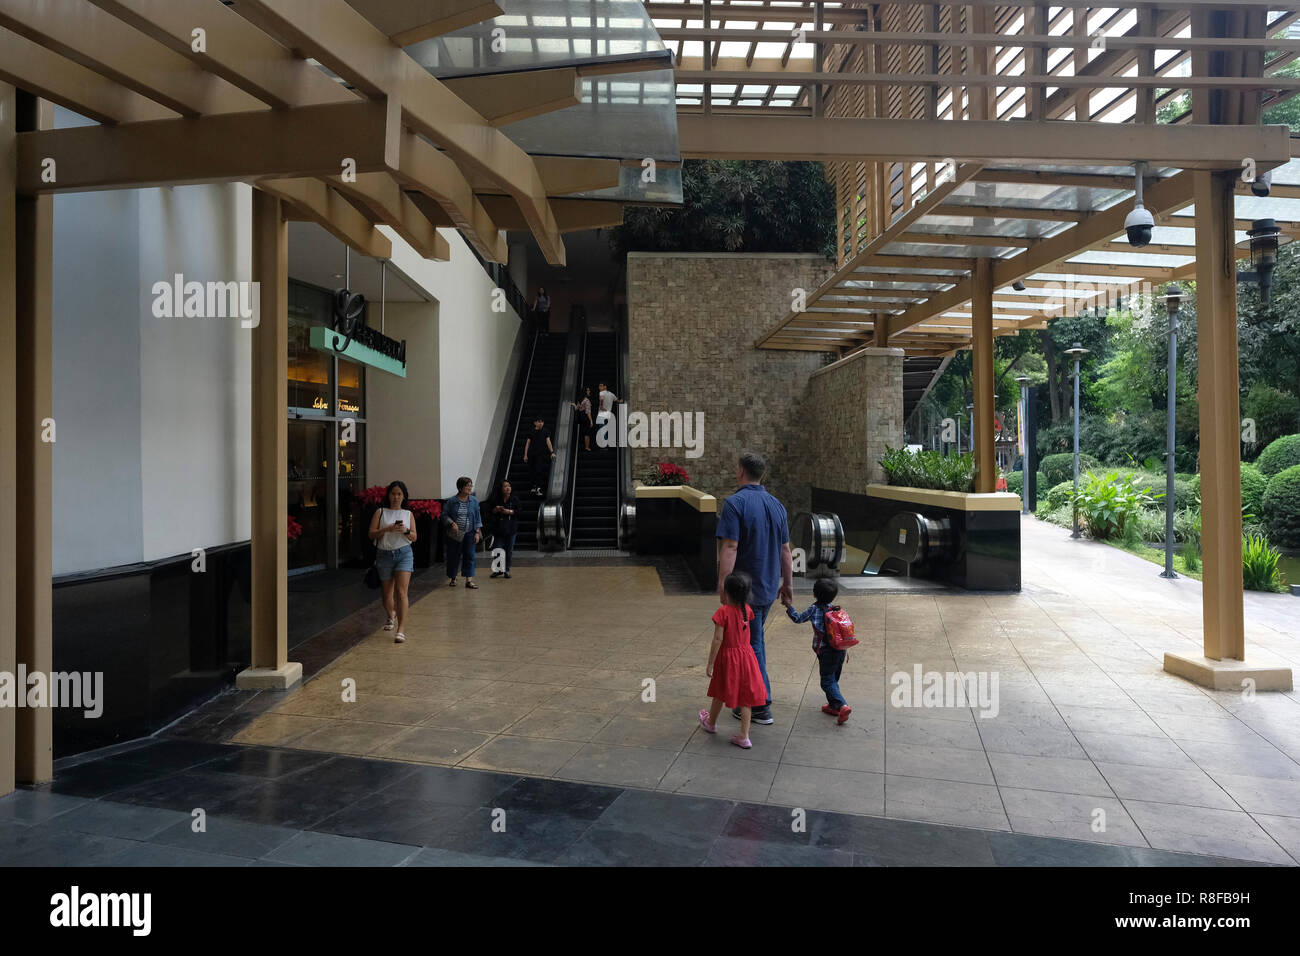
pixel 372 577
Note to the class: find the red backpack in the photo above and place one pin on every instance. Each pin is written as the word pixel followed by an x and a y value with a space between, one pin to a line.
pixel 839 629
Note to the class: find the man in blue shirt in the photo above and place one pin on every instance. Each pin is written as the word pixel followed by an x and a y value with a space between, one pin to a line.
pixel 754 537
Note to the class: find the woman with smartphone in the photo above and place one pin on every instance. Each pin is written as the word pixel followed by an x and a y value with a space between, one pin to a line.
pixel 393 529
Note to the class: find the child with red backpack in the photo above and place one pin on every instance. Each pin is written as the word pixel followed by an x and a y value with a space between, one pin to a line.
pixel 832 637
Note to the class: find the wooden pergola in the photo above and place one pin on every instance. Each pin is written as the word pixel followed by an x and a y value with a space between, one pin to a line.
pixel 373 118
pixel 985 157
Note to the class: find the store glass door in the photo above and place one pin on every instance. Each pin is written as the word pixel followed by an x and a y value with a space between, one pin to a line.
pixel 308 474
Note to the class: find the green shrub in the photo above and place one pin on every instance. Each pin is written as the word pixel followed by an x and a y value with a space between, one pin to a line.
pixel 1259 570
pixel 1273 411
pixel 1281 454
pixel 1252 489
pixel 1059 495
pixel 1281 508
pixel 1059 468
pixel 1150 524
pixel 1195 481
pixel 1107 504
pixel 929 469
pixel 1016 483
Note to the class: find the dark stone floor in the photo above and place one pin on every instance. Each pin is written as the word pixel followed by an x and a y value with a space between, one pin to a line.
pixel 136 806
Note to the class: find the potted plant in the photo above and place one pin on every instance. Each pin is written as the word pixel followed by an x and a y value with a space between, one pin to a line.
pixel 665 473
pixel 426 512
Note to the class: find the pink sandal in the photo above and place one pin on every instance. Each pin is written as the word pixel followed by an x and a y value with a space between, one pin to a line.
pixel 704 722
pixel 741 742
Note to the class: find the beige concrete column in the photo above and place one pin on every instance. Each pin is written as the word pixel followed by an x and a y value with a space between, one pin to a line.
pixel 986 469
pixel 1223 665
pixel 8 429
pixel 34 412
pixel 271 668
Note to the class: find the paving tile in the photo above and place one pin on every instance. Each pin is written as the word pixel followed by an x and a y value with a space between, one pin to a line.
pixel 433 745
pixel 670 733
pixel 1057 774
pixel 389 818
pixel 519 834
pixel 1020 849
pixel 1227 833
pixel 1014 736
pixel 1130 749
pixel 120 820
pixel 558 723
pixel 267 763
pixel 37 806
pixel 225 836
pixel 840 752
pixel 349 737
pixel 1085 817
pixel 618 766
pixel 731 852
pixel 1110 720
pixel 944 801
pixel 846 791
pixel 1257 795
pixel 327 849
pixel 1186 786
pixel 451 785
pixel 47 845
pixel 938 763
pixel 1285 831
pixel 707 775
pixel 522 755
pixel 436 857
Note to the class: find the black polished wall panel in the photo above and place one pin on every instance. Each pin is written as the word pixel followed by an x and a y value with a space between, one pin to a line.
pixel 163 635
pixel 673 526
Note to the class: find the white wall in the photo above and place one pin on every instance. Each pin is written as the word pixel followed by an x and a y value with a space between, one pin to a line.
pixel 475 347
pixel 152 452
pixel 403 414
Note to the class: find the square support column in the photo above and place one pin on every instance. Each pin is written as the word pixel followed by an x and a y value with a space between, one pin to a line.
pixel 986 469
pixel 34 414
pixel 271 668
pixel 1222 666
pixel 8 426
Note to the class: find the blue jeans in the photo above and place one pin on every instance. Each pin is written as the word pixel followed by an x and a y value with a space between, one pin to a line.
pixel 831 662
pixel 458 553
pixel 756 642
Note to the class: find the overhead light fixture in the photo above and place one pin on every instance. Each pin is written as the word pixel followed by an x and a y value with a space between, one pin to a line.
pixel 1018 286
pixel 1263 242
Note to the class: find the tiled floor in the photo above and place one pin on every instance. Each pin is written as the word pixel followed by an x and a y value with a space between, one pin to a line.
pixel 274 807
pixel 548 675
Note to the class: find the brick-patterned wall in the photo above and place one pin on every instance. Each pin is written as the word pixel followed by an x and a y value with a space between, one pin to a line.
pixel 855 410
pixel 692 322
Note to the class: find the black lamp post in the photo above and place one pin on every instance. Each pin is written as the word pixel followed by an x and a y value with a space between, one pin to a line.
pixel 1023 381
pixel 1076 352
pixel 1263 242
pixel 1173 298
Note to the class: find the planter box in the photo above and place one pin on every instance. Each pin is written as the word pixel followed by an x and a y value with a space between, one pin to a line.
pixel 984 531
pixel 679 519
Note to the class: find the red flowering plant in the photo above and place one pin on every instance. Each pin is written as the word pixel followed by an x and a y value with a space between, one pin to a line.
pixel 425 508
pixel 295 529
pixel 373 496
pixel 666 473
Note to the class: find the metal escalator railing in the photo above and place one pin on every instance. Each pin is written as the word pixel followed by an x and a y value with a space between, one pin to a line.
pixel 577 445
pixel 552 526
pixel 510 434
pixel 626 492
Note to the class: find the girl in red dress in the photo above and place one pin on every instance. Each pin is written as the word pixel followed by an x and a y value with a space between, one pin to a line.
pixel 735 678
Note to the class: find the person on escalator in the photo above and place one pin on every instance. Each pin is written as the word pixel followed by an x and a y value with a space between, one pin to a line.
pixel 538 455
pixel 605 415
pixel 585 425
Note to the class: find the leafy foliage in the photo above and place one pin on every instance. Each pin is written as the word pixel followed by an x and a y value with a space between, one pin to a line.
pixel 1274 412
pixel 1281 508
pixel 1016 483
pixel 1059 468
pixel 738 206
pixel 666 473
pixel 1280 454
pixel 1259 565
pixel 1252 489
pixel 1106 504
pixel 1058 496
pixel 929 469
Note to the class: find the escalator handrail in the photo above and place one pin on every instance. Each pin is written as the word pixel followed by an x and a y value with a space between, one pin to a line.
pixel 573 457
pixel 510 437
pixel 625 493
pixel 552 534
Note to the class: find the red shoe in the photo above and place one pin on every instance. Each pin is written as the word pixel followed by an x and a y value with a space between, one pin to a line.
pixel 844 714
pixel 826 709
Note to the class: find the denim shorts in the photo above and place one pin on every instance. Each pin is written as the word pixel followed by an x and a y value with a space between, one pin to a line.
pixel 386 562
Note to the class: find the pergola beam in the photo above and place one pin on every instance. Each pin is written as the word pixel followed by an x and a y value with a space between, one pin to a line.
pixel 226 147
pixel 504 98
pixel 316 202
pixel 381 194
pixel 410 21
pixel 830 139
pixel 356 50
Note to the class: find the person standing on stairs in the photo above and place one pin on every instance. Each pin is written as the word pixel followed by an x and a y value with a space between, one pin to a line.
pixel 538 455
pixel 585 425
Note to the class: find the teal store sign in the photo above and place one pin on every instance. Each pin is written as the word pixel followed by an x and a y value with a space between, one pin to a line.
pixel 365 345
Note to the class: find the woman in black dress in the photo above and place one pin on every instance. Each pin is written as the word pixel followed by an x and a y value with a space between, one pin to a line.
pixel 503 509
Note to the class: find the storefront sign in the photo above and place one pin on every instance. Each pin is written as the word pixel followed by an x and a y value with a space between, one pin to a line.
pixel 365 346
pixel 344 405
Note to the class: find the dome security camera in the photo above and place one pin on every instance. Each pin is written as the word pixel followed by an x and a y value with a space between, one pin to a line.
pixel 1263 184
pixel 1138 225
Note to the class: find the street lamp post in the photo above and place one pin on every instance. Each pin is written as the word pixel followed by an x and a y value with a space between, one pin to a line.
pixel 1024 437
pixel 971 410
pixel 1173 297
pixel 1077 352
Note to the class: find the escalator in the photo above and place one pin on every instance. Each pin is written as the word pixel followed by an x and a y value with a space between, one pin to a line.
pixel 594 504
pixel 540 399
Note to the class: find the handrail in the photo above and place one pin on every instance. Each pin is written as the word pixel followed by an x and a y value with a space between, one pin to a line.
pixel 625 500
pixel 551 525
pixel 509 438
pixel 577 447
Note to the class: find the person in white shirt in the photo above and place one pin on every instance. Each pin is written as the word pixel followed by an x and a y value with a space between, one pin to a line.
pixel 393 529
pixel 607 400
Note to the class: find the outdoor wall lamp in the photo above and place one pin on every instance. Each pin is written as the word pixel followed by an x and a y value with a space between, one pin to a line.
pixel 1265 239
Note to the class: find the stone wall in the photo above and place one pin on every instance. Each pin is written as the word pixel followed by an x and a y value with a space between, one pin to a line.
pixel 854 409
pixel 692 323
